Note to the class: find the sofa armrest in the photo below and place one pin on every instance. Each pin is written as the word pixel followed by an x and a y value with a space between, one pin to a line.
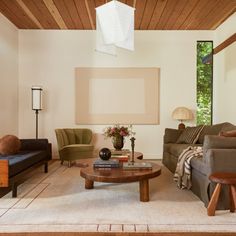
pixel 37 144
pixel 34 144
pixel 221 160
pixel 172 135
pixel 218 142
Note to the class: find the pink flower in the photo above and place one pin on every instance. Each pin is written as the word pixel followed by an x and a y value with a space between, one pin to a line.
pixel 117 130
pixel 122 133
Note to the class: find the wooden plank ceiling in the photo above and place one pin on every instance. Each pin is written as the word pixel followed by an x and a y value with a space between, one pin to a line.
pixel 149 14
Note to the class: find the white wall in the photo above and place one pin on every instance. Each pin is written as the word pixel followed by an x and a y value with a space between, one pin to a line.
pixel 49 58
pixel 225 74
pixel 8 77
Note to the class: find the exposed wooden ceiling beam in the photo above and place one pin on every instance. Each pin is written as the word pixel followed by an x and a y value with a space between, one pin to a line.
pixel 141 4
pixel 149 14
pixel 29 13
pixel 201 4
pixel 177 11
pixel 55 13
pixel 83 13
pixel 167 13
pixel 225 15
pixel 182 17
pixel 225 44
pixel 12 17
pixel 92 22
pixel 215 18
pixel 157 13
pixel 42 13
pixel 15 12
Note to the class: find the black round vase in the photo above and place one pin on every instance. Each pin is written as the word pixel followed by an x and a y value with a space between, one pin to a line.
pixel 118 142
pixel 105 154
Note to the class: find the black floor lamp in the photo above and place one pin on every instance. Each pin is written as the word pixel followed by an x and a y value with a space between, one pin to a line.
pixel 36 103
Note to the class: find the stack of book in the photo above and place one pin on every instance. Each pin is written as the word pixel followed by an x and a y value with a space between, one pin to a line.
pixel 99 163
pixel 121 156
pixel 121 152
pixel 137 166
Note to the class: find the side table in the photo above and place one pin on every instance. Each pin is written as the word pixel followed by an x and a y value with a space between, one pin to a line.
pixel 222 178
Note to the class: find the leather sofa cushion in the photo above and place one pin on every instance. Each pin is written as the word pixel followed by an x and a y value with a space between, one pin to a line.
pixel 23 160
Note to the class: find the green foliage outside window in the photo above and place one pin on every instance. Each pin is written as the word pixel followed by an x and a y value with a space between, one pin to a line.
pixel 204 82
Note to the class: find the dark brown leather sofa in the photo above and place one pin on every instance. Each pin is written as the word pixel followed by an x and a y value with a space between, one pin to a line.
pixel 219 154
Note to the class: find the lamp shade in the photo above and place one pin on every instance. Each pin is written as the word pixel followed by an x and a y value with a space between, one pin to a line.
pixel 36 98
pixel 114 27
pixel 182 113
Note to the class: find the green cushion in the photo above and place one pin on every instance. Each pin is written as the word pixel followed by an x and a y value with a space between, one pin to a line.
pixel 87 136
pixel 70 135
pixel 78 135
pixel 62 139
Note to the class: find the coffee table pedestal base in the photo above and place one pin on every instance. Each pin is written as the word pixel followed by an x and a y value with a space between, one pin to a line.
pixel 144 190
pixel 89 184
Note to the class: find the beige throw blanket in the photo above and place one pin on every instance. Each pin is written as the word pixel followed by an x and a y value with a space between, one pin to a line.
pixel 183 169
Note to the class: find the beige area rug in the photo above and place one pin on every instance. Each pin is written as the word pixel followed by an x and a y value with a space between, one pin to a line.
pixel 58 202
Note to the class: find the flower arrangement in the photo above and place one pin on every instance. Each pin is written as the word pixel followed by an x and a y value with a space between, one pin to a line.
pixel 117 130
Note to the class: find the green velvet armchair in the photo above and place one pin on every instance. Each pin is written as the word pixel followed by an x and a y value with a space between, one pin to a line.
pixel 74 144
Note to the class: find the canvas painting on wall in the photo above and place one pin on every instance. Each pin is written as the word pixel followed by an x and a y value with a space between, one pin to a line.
pixel 117 95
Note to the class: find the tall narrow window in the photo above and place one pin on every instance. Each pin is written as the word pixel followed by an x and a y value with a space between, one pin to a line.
pixel 204 82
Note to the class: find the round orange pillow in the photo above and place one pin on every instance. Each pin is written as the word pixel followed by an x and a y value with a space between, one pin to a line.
pixel 9 144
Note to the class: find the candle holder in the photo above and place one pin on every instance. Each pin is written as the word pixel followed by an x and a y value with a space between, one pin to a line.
pixel 132 148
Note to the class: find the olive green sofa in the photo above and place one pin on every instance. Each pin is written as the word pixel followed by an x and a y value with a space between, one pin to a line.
pixel 74 144
pixel 219 155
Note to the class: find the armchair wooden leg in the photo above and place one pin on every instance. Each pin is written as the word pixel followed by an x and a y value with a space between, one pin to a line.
pixel 62 162
pixel 69 164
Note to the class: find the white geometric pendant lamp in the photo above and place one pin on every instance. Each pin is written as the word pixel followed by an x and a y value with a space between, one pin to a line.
pixel 114 27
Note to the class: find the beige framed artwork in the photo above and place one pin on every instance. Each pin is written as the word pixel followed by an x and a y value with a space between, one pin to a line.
pixel 117 95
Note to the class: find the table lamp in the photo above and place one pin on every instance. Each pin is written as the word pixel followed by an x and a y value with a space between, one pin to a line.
pixel 181 114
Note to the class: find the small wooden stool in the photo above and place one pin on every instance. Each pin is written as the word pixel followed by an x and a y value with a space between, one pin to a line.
pixel 222 178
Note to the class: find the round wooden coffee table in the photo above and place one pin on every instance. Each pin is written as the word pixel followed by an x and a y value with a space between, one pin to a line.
pixel 119 175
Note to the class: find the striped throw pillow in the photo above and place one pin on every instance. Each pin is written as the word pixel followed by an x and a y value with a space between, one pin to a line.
pixel 190 135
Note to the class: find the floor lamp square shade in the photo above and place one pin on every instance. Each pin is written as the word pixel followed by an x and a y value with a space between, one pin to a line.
pixel 37 98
